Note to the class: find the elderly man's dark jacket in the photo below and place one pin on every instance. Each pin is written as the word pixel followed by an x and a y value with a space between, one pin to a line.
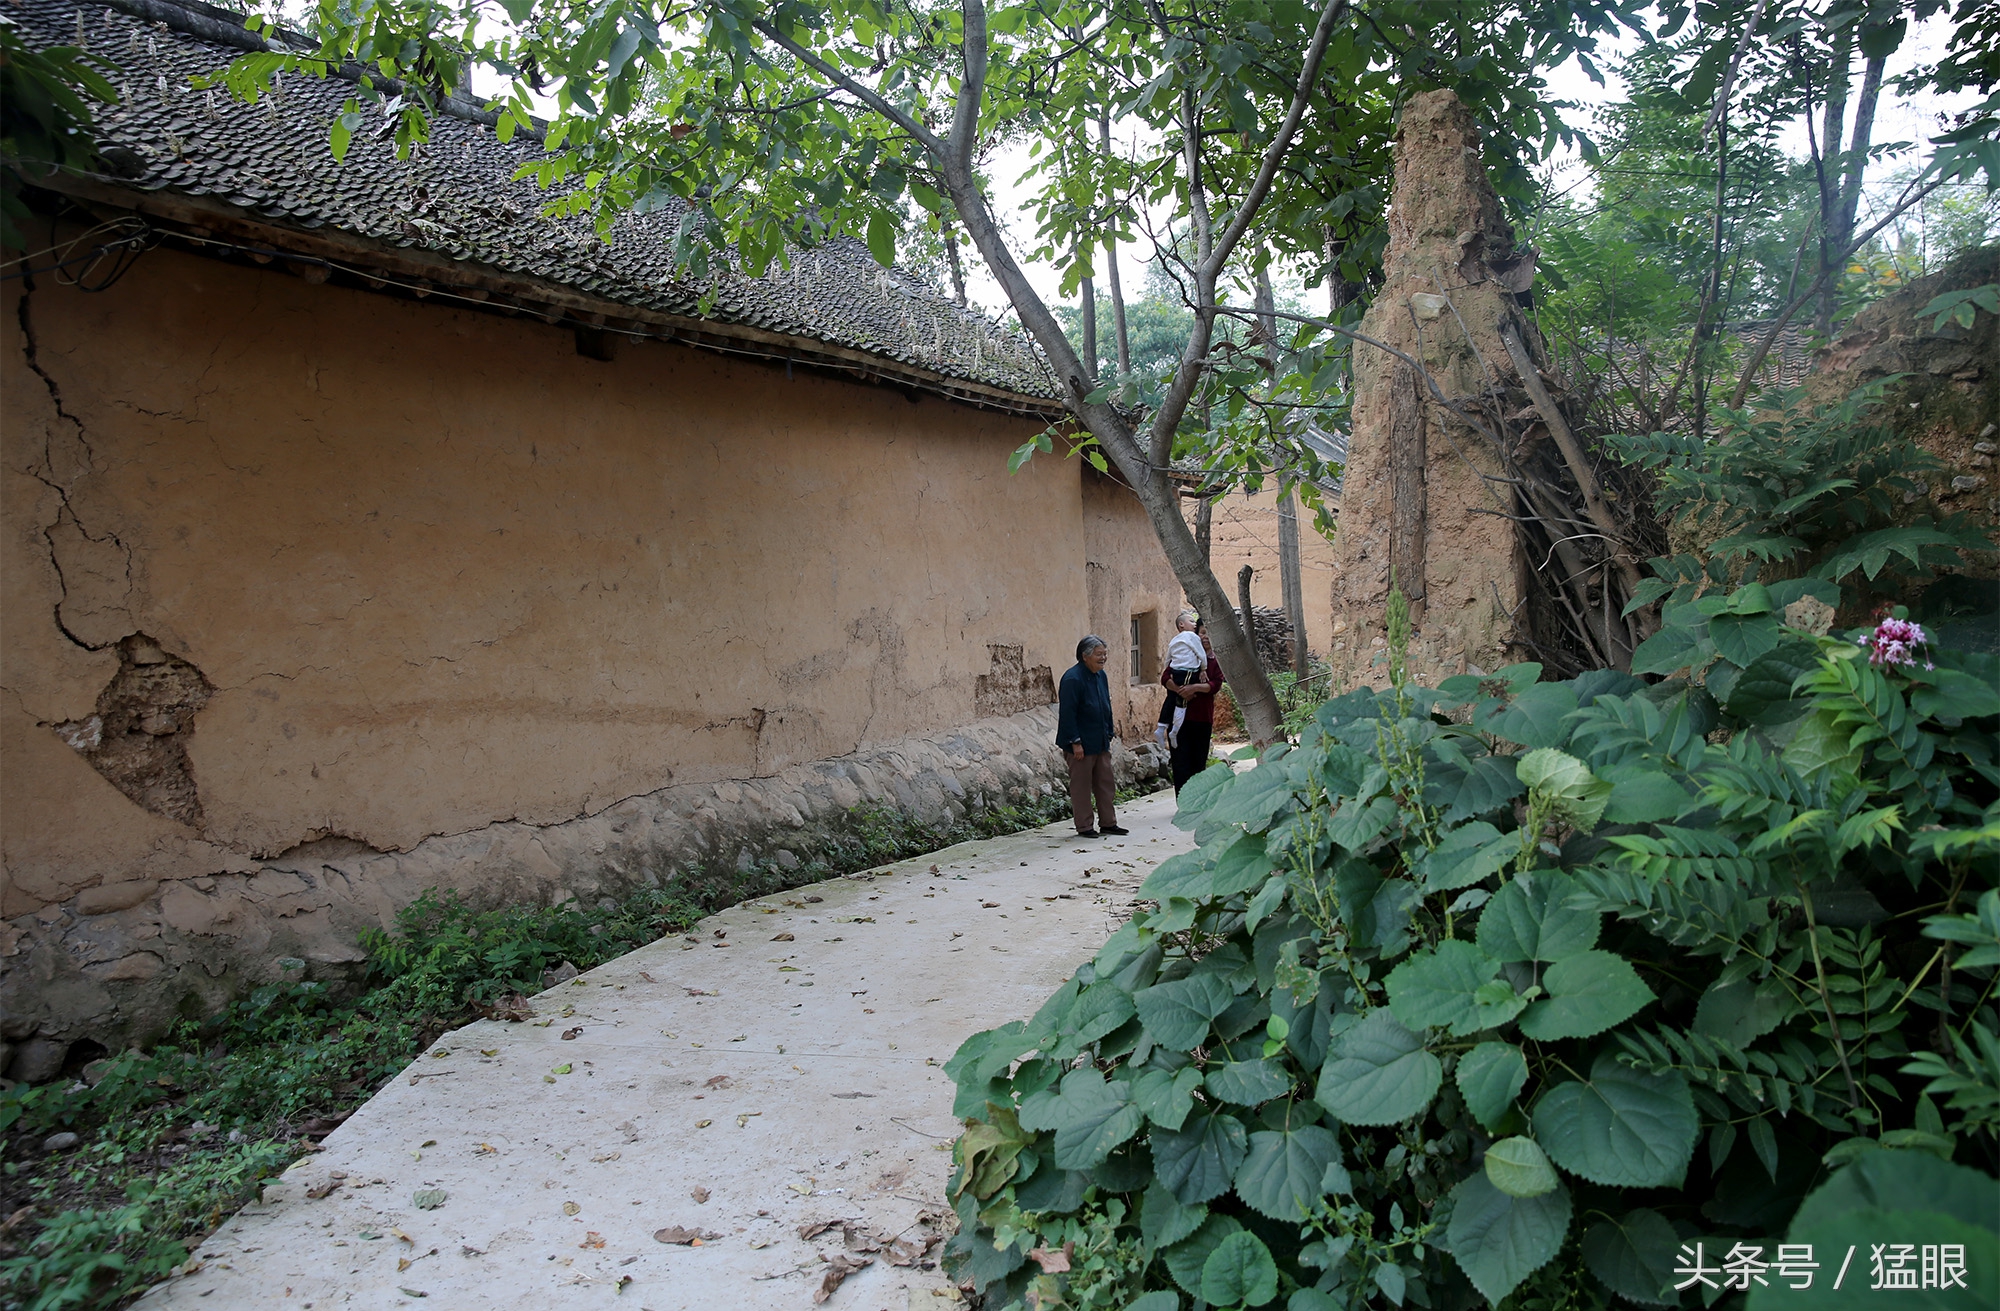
pixel 1083 712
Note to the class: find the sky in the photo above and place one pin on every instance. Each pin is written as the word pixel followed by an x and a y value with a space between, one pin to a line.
pixel 1897 119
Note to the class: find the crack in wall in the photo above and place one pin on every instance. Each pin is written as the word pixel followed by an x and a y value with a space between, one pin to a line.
pixel 46 475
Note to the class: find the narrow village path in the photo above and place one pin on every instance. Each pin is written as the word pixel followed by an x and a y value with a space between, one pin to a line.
pixel 744 1093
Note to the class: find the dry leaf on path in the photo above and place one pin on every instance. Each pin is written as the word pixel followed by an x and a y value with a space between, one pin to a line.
pixel 592 1239
pixel 717 1081
pixel 782 937
pixel 837 1271
pixel 700 1195
pixel 570 1034
pixel 685 1237
pixel 323 1190
pixel 428 1199
pixel 814 1228
pixel 571 1208
pixel 811 900
pixel 647 977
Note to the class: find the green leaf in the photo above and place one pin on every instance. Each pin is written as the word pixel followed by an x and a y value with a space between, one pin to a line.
pixel 1621 1127
pixel 1267 900
pixel 1198 1160
pixel 1670 649
pixel 1635 1256
pixel 1239 1272
pixel 1355 825
pixel 1531 919
pixel 1163 1221
pixel 1281 1175
pixel 1436 988
pixel 1248 1083
pixel 1587 994
pixel 1578 797
pixel 1166 1098
pixel 1519 1168
pixel 1888 1197
pixel 1466 855
pixel 1642 794
pixel 1500 1240
pixel 1378 1073
pixel 1763 694
pixel 1178 1013
pixel 1099 1009
pixel 1490 1077
pixel 1242 866
pixel 1376 909
pixel 1740 1011
pixel 1091 1118
pixel 1186 1258
pixel 1534 718
pixel 882 239
pixel 1740 639
pixel 1160 1299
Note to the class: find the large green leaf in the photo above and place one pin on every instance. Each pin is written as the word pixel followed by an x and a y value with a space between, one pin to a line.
pixel 1740 639
pixel 1742 1010
pixel 1436 988
pixel 1249 801
pixel 1489 1077
pixel 1475 785
pixel 1519 1168
pixel 1642 794
pixel 1163 1221
pixel 1242 866
pixel 1466 855
pixel 1576 796
pixel 1621 1126
pixel 1099 1009
pixel 1183 874
pixel 1635 1256
pixel 1186 1258
pixel 1199 793
pixel 1673 647
pixel 1166 1097
pixel 1534 718
pixel 1198 1160
pixel 1588 993
pixel 1531 919
pixel 1281 1174
pixel 1355 824
pixel 1888 1198
pixel 1239 1272
pixel 1248 1083
pixel 1090 1118
pixel 1763 695
pixel 1500 1240
pixel 1378 1073
pixel 1178 1013
pixel 1377 909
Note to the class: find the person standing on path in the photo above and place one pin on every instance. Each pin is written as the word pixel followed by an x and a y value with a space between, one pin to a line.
pixel 1190 753
pixel 1083 735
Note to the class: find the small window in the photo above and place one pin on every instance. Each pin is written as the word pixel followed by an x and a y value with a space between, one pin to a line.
pixel 1138 647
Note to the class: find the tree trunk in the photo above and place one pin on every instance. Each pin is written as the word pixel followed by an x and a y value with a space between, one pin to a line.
pixel 1111 271
pixel 1244 612
pixel 1204 529
pixel 1087 311
pixel 1833 128
pixel 1290 581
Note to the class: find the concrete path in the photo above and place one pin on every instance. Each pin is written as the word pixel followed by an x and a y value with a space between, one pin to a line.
pixel 743 1092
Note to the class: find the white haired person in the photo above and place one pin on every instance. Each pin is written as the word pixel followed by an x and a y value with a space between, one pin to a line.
pixel 1083 735
pixel 1186 662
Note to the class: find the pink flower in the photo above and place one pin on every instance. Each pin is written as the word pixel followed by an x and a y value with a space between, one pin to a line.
pixel 1894 642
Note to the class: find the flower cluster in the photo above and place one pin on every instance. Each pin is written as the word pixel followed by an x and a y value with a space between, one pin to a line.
pixel 1895 642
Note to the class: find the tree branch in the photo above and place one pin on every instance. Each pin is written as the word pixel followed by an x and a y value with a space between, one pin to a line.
pixel 860 91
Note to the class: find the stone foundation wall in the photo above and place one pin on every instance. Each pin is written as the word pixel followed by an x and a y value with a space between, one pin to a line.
pixel 117 963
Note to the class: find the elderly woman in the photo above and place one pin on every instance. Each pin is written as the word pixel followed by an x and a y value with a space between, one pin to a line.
pixel 1083 735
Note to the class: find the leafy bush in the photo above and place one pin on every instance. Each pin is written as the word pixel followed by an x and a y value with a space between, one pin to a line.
pixel 1827 492
pixel 1505 991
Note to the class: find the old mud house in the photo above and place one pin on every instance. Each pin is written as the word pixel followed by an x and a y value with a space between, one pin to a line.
pixel 366 532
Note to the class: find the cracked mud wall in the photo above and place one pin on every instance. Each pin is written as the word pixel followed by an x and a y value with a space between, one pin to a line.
pixel 1416 495
pixel 433 572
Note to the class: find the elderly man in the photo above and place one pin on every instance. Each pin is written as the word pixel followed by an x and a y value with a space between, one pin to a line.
pixel 1083 735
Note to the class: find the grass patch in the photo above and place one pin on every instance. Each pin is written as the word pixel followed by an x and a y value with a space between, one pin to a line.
pixel 171 1141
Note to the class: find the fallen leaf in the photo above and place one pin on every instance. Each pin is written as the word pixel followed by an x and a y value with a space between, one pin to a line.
pixel 324 1189
pixel 402 1264
pixel 703 1124
pixel 571 1208
pixel 561 1069
pixel 490 1052
pixel 837 1271
pixel 990 905
pixel 622 1281
pixel 600 1160
pixel 487 1149
pixel 697 992
pixel 722 933
pixel 814 1228
pixel 568 1011
pixel 811 900
pixel 593 1239
pixel 405 1237
pixel 428 1199
pixel 412 1292
pixel 569 1034
pixel 744 1118
pixel 1052 1261
pixel 717 1081
pixel 782 937
pixel 700 1195
pixel 467 1249
pixel 684 1237
pixel 848 1097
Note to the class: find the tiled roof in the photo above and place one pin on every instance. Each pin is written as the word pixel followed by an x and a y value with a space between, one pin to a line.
pixel 456 197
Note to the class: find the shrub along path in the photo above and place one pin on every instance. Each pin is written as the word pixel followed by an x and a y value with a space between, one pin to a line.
pixel 737 1096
